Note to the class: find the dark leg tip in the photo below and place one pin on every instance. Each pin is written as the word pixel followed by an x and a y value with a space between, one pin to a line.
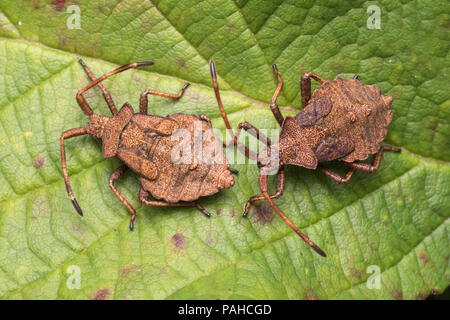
pixel 77 207
pixel 82 62
pixel 274 67
pixel 319 251
pixel 131 225
pixel 212 67
pixel 187 84
pixel 234 171
pixel 144 63
pixel 356 76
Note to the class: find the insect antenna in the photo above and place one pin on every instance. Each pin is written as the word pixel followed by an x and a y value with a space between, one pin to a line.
pixel 80 98
pixel 263 185
pixel 219 101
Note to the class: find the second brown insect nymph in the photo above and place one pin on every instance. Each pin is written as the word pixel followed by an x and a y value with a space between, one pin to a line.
pixel 343 120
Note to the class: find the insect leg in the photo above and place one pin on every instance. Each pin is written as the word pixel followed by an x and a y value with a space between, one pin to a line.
pixel 143 195
pixel 369 168
pixel 336 176
pixel 205 118
pixel 254 132
pixel 305 86
pixel 113 178
pixel 143 105
pixel 106 94
pixel 66 135
pixel 263 186
pixel 80 98
pixel 273 105
pixel 278 193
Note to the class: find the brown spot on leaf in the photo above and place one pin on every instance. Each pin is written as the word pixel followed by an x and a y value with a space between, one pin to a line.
pixel 263 213
pixel 356 273
pixel 58 5
pixel 101 294
pixel 181 63
pixel 178 240
pixel 421 296
pixel 219 212
pixel 38 162
pixel 310 295
pixel 423 257
pixel 128 270
pixel 36 4
pixel 398 295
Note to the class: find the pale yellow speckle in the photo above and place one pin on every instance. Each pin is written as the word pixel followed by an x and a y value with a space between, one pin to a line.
pixel 20 272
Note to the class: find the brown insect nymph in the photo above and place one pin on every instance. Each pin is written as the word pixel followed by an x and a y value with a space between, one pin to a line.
pixel 145 143
pixel 343 120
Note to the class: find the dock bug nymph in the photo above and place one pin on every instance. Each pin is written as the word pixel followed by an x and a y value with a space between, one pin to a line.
pixel 145 143
pixel 343 120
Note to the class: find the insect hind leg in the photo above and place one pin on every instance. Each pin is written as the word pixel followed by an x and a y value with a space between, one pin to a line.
pixel 277 194
pixel 143 195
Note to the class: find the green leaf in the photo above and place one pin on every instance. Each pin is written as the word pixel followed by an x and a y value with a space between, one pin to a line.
pixel 394 220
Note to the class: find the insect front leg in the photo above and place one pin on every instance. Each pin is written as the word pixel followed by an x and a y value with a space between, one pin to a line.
pixel 251 129
pixel 143 104
pixel 278 193
pixel 305 86
pixel 143 195
pixel 113 178
pixel 106 94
